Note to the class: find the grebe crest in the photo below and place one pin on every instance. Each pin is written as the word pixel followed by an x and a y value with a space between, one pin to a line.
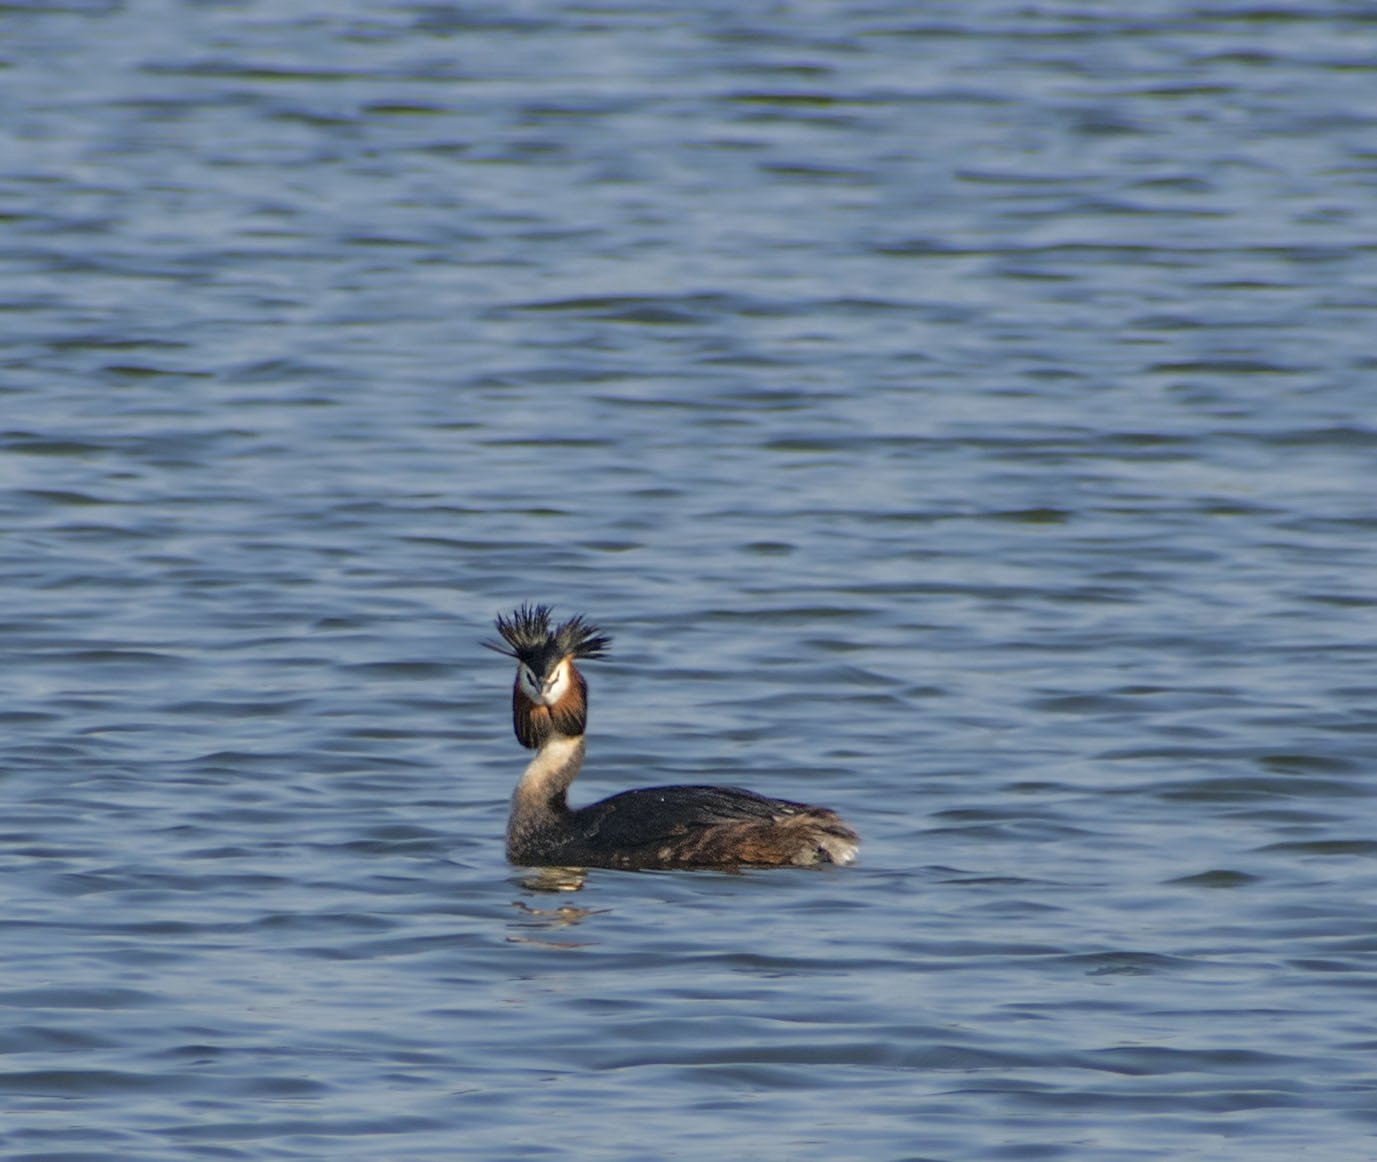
pixel 549 695
pixel 653 827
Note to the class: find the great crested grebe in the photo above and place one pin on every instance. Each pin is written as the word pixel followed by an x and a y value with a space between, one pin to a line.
pixel 656 827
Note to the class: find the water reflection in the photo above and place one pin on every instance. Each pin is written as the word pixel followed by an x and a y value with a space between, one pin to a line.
pixel 555 879
pixel 534 920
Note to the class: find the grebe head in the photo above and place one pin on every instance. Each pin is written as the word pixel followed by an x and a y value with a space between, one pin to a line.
pixel 550 695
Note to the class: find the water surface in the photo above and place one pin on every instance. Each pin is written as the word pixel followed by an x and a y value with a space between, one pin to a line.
pixel 961 415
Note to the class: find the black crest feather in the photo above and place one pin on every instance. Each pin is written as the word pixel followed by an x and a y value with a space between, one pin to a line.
pixel 525 632
pixel 580 638
pixel 528 638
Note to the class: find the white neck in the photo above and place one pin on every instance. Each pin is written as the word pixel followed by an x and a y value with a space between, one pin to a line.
pixel 548 775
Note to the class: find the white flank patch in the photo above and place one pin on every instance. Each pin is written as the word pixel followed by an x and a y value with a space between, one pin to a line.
pixel 841 850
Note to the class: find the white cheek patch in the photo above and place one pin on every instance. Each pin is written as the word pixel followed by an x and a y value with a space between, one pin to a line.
pixel 557 686
pixel 549 692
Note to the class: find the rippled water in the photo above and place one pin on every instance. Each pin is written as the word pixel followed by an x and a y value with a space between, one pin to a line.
pixel 962 415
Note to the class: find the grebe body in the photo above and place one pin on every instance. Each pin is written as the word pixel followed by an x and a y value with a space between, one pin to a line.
pixel 653 827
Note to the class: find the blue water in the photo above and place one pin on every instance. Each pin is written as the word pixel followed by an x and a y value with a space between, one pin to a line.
pixel 961 415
